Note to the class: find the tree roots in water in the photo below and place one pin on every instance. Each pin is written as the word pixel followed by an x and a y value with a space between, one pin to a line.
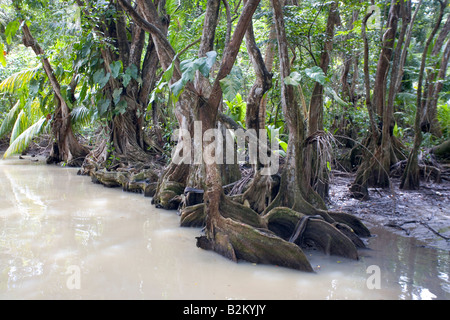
pixel 270 238
pixel 275 235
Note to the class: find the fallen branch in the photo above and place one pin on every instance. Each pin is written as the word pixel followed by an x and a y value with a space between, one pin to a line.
pixel 399 226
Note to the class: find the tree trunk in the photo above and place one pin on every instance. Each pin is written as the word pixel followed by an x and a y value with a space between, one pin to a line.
pixel 126 143
pixel 233 229
pixel 66 147
pixel 411 178
pixel 316 169
pixel 429 121
pixel 374 170
pixel 262 84
pixel 442 150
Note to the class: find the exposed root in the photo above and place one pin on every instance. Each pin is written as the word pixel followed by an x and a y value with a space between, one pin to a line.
pixel 286 223
pixel 195 216
pixel 129 179
pixel 239 241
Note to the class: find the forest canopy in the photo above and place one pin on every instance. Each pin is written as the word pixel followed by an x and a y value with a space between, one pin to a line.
pixel 121 88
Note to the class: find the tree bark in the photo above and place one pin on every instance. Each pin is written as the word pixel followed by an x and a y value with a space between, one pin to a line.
pixel 429 121
pixel 411 177
pixel 373 169
pixel 317 171
pixel 66 147
pixel 126 143
pixel 262 84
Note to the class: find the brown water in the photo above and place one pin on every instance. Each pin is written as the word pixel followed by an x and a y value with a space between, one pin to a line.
pixel 63 237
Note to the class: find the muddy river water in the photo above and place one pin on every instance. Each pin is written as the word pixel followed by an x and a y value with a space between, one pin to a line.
pixel 63 237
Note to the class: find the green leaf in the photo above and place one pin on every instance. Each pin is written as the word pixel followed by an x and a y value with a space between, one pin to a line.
pixel 101 78
pixel 132 71
pixel 19 79
pixel 121 107
pixel 116 95
pixel 103 106
pixel 81 115
pixel 189 67
pixel 283 145
pixel 2 55
pixel 206 63
pixel 83 92
pixel 396 131
pixel 11 30
pixel 8 121
pixel 294 79
pixel 230 86
pixel 19 126
pixel 116 67
pixel 126 79
pixel 316 73
pixel 23 140
pixel 177 87
pixel 167 75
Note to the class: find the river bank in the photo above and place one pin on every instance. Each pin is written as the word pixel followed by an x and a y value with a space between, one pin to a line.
pixel 423 214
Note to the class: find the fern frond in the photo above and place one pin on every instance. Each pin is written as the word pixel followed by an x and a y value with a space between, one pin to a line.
pixel 24 139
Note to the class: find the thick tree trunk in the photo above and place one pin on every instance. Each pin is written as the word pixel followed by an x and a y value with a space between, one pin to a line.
pixel 442 150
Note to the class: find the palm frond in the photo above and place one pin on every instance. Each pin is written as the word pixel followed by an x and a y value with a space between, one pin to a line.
pixel 82 115
pixel 20 126
pixel 9 120
pixel 19 79
pixel 24 139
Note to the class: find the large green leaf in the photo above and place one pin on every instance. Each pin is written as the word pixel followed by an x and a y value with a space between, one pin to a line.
pixel 294 79
pixel 19 80
pixel 116 95
pixel 205 63
pixel 10 118
pixel 101 78
pixel 23 140
pixel 231 84
pixel 115 66
pixel 20 125
pixel 11 30
pixel 189 67
pixel 316 73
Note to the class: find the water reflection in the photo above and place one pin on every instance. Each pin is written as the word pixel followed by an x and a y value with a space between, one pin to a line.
pixel 420 272
pixel 51 219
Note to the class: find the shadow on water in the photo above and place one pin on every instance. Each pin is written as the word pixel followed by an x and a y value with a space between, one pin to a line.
pixel 53 221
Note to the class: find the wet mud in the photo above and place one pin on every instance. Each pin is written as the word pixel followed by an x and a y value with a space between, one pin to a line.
pixel 423 214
